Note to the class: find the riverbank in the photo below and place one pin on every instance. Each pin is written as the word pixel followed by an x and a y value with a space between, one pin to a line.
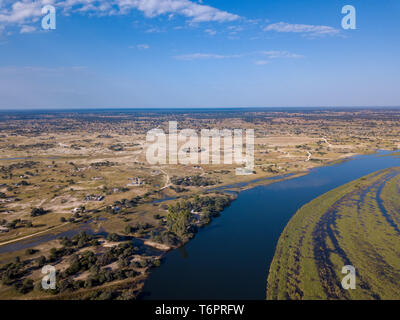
pixel 238 189
pixel 356 224
pixel 257 216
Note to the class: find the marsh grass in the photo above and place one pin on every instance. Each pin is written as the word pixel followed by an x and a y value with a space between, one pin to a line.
pixel 356 224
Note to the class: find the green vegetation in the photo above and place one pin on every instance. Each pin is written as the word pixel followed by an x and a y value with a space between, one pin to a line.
pixel 38 212
pixel 185 215
pixel 356 224
pixel 84 257
pixel 197 181
pixel 61 172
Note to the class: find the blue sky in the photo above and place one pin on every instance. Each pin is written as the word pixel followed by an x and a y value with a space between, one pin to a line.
pixel 209 53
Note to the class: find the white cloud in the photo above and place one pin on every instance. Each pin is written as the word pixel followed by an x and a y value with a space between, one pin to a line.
pixel 20 12
pixel 262 62
pixel 203 56
pixel 142 46
pixel 154 30
pixel 211 32
pixel 27 29
pixel 281 54
pixel 235 29
pixel 194 11
pixel 25 12
pixel 301 28
pixel 264 56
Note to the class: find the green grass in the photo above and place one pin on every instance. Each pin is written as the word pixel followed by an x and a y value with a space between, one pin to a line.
pixel 356 224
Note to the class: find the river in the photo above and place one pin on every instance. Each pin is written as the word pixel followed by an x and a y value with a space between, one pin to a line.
pixel 230 258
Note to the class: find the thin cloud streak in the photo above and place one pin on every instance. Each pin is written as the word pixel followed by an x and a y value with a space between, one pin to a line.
pixel 204 56
pixel 272 54
pixel 302 28
pixel 281 54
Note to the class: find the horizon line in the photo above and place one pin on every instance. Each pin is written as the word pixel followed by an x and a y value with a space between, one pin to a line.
pixel 192 108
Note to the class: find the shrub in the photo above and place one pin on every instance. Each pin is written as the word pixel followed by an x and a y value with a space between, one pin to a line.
pixel 30 251
pixel 113 237
pixel 37 212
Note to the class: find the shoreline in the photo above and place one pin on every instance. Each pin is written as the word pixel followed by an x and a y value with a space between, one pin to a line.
pixel 250 185
pixel 297 175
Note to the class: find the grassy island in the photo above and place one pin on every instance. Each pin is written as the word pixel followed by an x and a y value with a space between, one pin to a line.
pixel 356 224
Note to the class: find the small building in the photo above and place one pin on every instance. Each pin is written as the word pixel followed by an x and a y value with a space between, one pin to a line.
pixel 116 209
pixel 3 229
pixel 94 198
pixel 244 171
pixel 135 182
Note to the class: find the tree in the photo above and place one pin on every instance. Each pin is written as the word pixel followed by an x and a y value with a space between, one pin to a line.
pixel 123 262
pixel 178 219
pixel 30 251
pixel 128 229
pixel 37 212
pixel 113 237
pixel 26 286
pixel 41 261
pixel 157 263
pixel 107 295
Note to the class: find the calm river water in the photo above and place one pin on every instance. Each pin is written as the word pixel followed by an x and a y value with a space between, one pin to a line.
pixel 230 258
